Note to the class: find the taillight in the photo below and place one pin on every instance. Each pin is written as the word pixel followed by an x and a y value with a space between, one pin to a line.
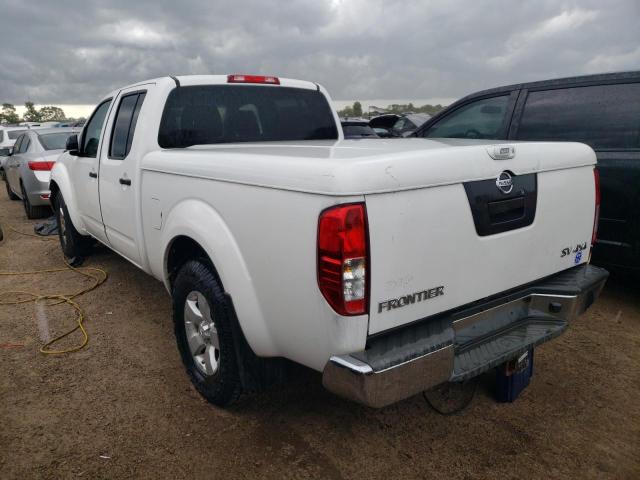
pixel 35 165
pixel 596 216
pixel 253 79
pixel 343 259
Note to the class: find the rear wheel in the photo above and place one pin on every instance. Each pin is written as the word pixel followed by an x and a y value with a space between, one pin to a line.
pixel 33 211
pixel 74 246
pixel 204 334
pixel 12 196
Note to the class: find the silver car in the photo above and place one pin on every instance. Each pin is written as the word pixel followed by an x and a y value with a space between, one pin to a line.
pixel 28 168
pixel 8 136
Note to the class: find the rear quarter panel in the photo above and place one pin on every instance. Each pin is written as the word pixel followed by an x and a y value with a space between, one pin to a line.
pixel 262 242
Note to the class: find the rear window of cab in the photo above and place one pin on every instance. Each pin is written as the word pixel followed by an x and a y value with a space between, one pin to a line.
pixel 214 114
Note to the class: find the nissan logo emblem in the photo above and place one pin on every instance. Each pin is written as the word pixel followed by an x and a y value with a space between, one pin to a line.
pixel 504 183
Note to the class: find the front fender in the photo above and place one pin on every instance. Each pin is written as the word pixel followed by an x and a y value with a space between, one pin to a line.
pixel 61 178
pixel 203 224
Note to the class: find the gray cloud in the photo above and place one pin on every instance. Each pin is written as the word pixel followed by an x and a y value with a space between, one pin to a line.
pixel 73 52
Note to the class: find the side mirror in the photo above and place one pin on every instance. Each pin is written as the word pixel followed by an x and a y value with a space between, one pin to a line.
pixel 5 152
pixel 72 145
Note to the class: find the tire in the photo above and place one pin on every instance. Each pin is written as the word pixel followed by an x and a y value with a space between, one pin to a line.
pixel 213 371
pixel 12 196
pixel 33 211
pixel 74 246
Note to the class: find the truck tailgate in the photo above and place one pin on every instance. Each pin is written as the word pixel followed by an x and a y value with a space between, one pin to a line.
pixel 439 247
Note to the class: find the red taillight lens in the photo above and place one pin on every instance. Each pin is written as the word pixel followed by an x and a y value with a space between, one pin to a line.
pixel 41 165
pixel 596 216
pixel 253 79
pixel 343 260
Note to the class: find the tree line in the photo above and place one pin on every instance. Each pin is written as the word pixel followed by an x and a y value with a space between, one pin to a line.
pixel 47 113
pixel 356 109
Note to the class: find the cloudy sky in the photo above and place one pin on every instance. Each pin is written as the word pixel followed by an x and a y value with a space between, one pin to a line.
pixel 73 52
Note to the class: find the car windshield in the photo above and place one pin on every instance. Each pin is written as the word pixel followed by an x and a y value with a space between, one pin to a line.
pixel 13 134
pixel 54 141
pixel 208 114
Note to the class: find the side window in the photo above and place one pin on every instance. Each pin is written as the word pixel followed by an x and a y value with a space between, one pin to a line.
pixel 16 146
pixel 125 125
pixel 602 116
pixel 91 135
pixel 480 119
pixel 21 144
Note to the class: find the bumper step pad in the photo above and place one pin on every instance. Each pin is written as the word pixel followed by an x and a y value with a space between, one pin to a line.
pixel 479 357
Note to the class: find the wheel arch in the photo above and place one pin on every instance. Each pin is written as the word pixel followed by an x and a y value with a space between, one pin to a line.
pixel 60 184
pixel 192 230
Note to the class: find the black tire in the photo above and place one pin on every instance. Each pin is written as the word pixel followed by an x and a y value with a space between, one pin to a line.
pixel 33 211
pixel 222 387
pixel 12 196
pixel 74 246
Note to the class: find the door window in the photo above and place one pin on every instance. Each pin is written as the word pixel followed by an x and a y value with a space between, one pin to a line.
pixel 26 143
pixel 22 144
pixel 16 146
pixel 91 136
pixel 480 119
pixel 125 125
pixel 602 116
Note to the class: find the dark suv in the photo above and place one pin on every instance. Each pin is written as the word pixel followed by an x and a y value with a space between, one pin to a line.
pixel 602 111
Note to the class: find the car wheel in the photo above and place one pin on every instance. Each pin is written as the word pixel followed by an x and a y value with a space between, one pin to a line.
pixel 74 246
pixel 12 196
pixel 204 334
pixel 33 211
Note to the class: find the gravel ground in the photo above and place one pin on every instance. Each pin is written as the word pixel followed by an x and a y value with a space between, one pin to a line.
pixel 123 407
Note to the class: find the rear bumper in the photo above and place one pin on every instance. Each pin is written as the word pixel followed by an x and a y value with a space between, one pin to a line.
pixel 36 185
pixel 462 344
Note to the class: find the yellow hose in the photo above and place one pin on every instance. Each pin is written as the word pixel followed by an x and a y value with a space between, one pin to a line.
pixel 98 276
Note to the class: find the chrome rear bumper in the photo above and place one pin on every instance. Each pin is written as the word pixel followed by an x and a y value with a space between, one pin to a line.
pixel 464 343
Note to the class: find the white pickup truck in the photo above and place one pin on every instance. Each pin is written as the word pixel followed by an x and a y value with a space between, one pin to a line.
pixel 390 266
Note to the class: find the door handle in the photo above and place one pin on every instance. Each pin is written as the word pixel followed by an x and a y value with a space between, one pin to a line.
pixel 125 181
pixel 93 174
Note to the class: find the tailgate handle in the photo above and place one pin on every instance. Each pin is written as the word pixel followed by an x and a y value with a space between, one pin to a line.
pixel 502 211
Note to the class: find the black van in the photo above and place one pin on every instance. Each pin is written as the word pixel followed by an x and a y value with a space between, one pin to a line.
pixel 602 111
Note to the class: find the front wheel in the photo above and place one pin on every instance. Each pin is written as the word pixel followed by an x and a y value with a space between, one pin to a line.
pixel 74 246
pixel 204 334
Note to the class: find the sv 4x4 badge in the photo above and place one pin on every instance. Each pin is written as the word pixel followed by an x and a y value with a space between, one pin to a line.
pixel 577 249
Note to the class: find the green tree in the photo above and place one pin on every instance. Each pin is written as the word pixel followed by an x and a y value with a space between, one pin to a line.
pixel 31 114
pixel 357 109
pixel 8 114
pixel 346 112
pixel 51 114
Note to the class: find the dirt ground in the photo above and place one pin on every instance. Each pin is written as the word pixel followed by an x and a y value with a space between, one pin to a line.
pixel 123 407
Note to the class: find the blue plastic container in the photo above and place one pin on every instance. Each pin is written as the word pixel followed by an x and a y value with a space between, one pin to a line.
pixel 513 377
